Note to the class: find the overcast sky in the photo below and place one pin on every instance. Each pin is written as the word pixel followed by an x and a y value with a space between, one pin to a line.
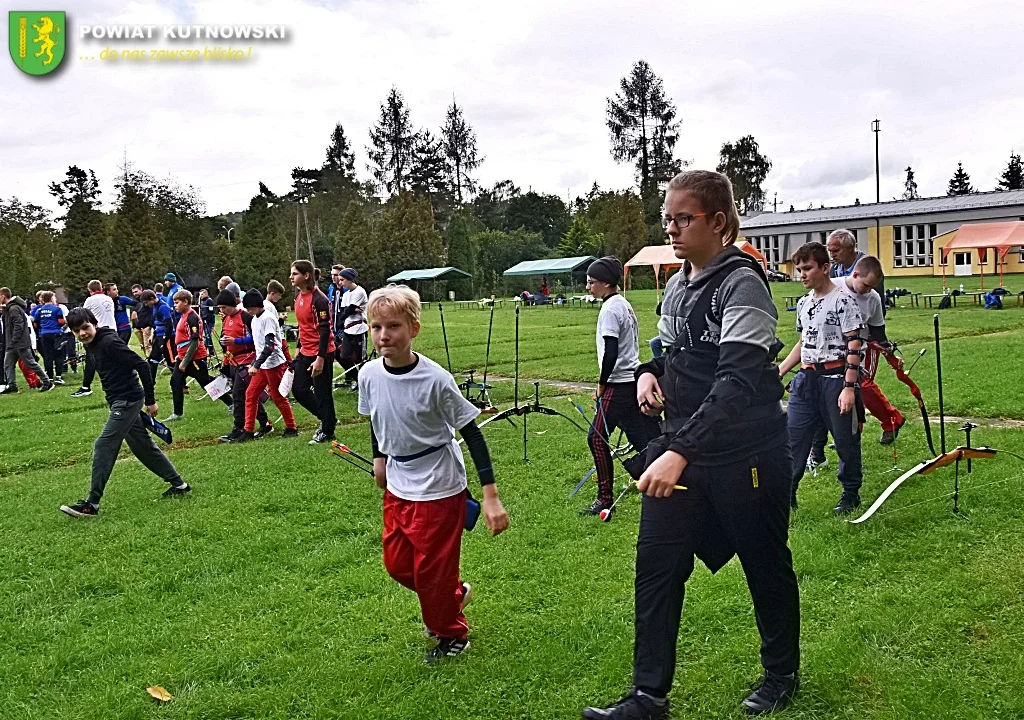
pixel 805 77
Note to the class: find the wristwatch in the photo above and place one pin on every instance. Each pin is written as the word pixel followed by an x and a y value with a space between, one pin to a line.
pixel 851 385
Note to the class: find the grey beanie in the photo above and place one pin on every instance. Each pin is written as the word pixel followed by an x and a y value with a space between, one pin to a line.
pixel 607 270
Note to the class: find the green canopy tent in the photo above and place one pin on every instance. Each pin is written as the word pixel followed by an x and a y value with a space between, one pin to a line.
pixel 551 266
pixel 431 274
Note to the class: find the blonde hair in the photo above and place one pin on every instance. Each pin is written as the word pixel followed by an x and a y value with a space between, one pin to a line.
pixel 183 295
pixel 394 299
pixel 714 193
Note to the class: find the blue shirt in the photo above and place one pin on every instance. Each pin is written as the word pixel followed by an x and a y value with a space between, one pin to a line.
pixel 121 303
pixel 49 319
pixel 161 316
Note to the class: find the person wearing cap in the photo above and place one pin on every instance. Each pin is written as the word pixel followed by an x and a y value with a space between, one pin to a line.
pixel 267 369
pixel 236 339
pixel 352 316
pixel 171 285
pixel 618 357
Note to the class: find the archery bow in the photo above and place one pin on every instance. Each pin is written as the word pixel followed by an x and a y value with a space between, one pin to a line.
pixel 929 466
pixel 896 363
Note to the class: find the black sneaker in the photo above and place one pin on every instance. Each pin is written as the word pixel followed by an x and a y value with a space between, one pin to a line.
pixel 290 432
pixel 9 390
pixel 81 509
pixel 321 437
pixel 889 436
pixel 58 381
pixel 847 503
pixel 775 692
pixel 231 436
pixel 245 437
pixel 447 647
pixel 632 707
pixel 178 490
pixel 265 430
pixel 595 508
pixel 81 392
pixel 46 388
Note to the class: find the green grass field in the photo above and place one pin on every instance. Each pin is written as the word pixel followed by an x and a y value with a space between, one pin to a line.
pixel 264 596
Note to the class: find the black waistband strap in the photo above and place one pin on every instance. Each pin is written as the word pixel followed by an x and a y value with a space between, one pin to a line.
pixel 421 453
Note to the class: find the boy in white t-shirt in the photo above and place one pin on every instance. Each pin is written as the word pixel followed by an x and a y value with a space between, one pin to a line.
pixel 618 357
pixel 826 390
pixel 352 314
pixel 267 369
pixel 415 409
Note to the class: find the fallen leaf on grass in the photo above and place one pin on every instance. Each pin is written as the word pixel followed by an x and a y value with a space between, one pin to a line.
pixel 159 693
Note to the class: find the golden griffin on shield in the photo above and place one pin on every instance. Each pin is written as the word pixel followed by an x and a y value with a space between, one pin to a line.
pixel 44 28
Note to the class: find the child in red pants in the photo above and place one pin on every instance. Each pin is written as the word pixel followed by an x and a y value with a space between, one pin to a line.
pixel 267 369
pixel 415 408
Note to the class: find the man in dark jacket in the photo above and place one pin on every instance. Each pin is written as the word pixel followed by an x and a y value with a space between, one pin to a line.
pixel 18 342
pixel 121 371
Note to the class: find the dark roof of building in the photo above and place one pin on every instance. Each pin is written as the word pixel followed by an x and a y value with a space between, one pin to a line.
pixel 893 208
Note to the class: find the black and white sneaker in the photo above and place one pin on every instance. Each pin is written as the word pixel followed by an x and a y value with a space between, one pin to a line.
pixel 81 509
pixel 231 436
pixel 775 692
pixel 321 437
pixel 82 392
pixel 290 432
pixel 447 647
pixel 635 706
pixel 245 437
pixel 847 503
pixel 595 508
pixel 58 381
pixel 177 490
pixel 46 388
pixel 265 430
pixel 9 390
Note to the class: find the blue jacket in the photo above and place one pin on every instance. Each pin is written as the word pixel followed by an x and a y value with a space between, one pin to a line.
pixel 121 319
pixel 162 320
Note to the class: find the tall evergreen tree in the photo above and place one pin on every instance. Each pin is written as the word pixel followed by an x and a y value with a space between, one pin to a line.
pixel 743 163
pixel 78 185
pixel 461 254
pixel 408 235
pixel 618 217
pixel 580 239
pixel 1013 176
pixel 536 213
pixel 263 243
pixel 910 186
pixel 136 235
pixel 642 122
pixel 340 160
pixel 427 172
pixel 491 204
pixel 459 141
pixel 960 183
pixel 392 143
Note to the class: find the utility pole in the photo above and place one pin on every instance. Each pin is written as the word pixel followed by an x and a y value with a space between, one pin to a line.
pixel 876 127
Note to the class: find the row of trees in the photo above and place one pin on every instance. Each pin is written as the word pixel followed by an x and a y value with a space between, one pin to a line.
pixel 421 205
pixel 1012 178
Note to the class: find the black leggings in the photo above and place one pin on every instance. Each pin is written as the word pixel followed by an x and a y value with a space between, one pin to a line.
pixel 195 369
pixel 315 393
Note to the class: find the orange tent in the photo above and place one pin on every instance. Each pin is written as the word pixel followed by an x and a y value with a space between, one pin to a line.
pixel 662 256
pixel 1000 236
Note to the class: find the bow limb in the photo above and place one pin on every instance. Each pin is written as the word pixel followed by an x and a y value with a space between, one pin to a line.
pixel 929 466
pixel 901 374
pixel 551 411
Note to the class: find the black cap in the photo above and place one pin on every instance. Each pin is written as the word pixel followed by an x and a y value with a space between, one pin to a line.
pixel 226 297
pixel 607 270
pixel 349 274
pixel 253 298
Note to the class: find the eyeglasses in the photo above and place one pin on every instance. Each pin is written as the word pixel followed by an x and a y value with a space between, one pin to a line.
pixel 682 220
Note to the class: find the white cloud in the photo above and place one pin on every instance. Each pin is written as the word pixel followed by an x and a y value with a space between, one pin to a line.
pixel 804 77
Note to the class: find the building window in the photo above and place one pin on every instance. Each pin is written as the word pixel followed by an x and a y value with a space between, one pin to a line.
pixel 913 249
pixel 824 238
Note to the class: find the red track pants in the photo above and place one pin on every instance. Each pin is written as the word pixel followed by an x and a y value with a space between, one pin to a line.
pixel 422 545
pixel 874 399
pixel 271 380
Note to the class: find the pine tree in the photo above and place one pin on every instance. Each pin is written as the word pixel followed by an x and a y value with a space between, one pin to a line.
pixel 960 183
pixel 412 239
pixel 77 185
pixel 461 254
pixel 84 249
pixel 910 186
pixel 1013 176
pixel 340 161
pixel 135 235
pixel 580 239
pixel 263 243
pixel 643 127
pixel 459 142
pixel 427 172
pixel 393 141
pixel 743 163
